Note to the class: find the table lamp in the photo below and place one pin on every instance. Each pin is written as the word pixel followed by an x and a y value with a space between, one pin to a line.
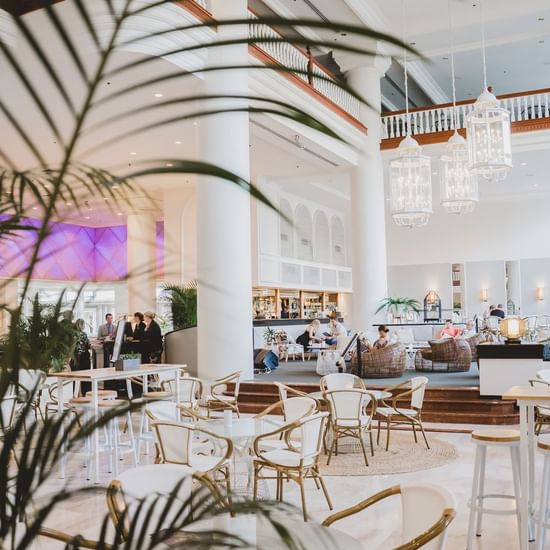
pixel 513 329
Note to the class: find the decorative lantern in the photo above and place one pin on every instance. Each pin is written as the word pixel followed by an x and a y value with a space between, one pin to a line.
pixel 459 190
pixel 411 185
pixel 432 307
pixel 513 329
pixel 489 138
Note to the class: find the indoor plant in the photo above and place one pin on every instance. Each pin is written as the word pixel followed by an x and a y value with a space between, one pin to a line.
pixel 183 302
pixel 395 307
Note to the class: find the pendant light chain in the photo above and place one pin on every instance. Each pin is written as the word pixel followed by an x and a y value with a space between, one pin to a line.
pixel 451 29
pixel 407 114
pixel 483 45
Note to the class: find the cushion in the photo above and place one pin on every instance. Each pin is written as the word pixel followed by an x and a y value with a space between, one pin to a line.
pixel 284 457
pixel 389 411
pixel 204 463
pixel 353 423
pixel 228 398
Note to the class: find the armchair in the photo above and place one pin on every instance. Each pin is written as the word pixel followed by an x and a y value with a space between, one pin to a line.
pixel 387 362
pixel 219 399
pixel 447 355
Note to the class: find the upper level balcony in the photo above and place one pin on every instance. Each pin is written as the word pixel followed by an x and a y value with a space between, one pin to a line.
pixel 434 124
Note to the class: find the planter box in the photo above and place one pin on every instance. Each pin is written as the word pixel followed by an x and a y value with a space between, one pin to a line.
pixel 128 364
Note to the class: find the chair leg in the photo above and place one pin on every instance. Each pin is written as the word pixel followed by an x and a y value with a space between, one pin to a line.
pixel 388 433
pixel 424 434
pixel 371 443
pixel 303 495
pixel 255 484
pixel 363 447
pixel 474 500
pixel 318 476
pixel 378 432
pixel 334 442
pixel 481 491
pixel 414 432
pixel 543 506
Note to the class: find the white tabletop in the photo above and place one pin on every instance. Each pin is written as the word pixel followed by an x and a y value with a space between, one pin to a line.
pixel 112 374
pixel 241 428
pixel 259 533
pixel 527 393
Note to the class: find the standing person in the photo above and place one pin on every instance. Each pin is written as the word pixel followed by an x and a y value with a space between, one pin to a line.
pixel 152 336
pixel 108 329
pixel 138 326
pixel 309 335
pixel 498 311
pixel 81 353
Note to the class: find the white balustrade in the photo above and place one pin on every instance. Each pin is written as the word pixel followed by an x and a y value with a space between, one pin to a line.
pixel 292 58
pixel 440 119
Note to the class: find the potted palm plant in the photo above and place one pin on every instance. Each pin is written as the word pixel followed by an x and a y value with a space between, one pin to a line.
pixel 396 307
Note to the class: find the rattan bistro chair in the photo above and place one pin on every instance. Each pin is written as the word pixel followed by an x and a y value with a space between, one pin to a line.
pixel 292 463
pixel 542 414
pixel 219 399
pixel 393 415
pixel 340 381
pixel 427 511
pixel 349 417
pixel 175 442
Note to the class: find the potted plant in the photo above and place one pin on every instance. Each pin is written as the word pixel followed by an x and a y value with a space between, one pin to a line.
pixel 270 336
pixel 397 307
pixel 183 302
pixel 128 361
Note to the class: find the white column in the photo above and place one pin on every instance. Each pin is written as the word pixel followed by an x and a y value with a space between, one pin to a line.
pixel 368 223
pixel 141 260
pixel 223 217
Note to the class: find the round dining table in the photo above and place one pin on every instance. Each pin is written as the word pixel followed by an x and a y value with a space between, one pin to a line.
pixel 258 532
pixel 378 395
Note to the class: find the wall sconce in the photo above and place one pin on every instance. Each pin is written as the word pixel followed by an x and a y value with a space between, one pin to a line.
pixel 484 295
pixel 539 293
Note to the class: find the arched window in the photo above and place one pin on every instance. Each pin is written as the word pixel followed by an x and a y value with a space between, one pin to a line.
pixel 304 233
pixel 338 241
pixel 322 237
pixel 287 233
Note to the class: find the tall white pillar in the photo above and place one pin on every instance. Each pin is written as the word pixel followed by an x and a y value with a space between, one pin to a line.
pixel 368 223
pixel 223 216
pixel 141 225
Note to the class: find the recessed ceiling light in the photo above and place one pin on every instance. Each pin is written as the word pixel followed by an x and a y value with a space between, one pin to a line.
pixel 195 123
pixel 69 203
pixel 86 217
pixel 177 142
pixel 169 164
pixel 133 153
pixel 387 199
pixel 158 95
pixel 35 207
pixel 105 198
pixel 523 163
pixel 119 213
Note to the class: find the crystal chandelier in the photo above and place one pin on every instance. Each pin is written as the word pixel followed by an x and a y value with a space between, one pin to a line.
pixel 489 132
pixel 410 175
pixel 459 190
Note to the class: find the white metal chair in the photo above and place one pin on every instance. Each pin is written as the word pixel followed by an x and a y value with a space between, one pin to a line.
pixel 531 324
pixel 292 463
pixel 349 417
pixel 219 399
pixel 340 381
pixel 426 512
pixel 175 442
pixel 393 415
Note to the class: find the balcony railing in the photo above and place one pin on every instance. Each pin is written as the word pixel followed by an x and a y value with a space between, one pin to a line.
pixel 525 106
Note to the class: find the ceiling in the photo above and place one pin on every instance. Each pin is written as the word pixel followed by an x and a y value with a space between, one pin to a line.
pixel 517 39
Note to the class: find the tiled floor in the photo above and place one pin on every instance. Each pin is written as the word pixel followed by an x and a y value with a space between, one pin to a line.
pixel 373 528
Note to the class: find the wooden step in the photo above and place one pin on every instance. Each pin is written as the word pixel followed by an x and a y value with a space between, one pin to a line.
pixel 452 404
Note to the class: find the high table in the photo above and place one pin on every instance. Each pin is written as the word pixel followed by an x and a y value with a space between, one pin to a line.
pixel 527 398
pixel 101 375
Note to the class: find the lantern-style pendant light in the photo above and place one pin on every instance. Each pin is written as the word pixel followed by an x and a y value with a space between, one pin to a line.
pixel 489 131
pixel 410 175
pixel 459 189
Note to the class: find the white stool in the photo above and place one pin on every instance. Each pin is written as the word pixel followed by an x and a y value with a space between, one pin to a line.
pixel 543 523
pixel 483 439
pixel 145 434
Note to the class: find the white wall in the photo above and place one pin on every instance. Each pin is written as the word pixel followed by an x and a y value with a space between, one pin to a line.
pixel 535 272
pixel 479 275
pixel 415 281
pixel 503 230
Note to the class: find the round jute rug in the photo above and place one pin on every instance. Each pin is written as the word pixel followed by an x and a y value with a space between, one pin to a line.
pixel 403 456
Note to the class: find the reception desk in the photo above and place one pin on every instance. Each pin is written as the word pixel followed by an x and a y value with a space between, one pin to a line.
pixel 502 366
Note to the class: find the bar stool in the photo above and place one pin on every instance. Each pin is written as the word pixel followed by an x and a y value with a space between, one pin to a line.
pixel 483 439
pixel 103 394
pixel 543 523
pixel 145 433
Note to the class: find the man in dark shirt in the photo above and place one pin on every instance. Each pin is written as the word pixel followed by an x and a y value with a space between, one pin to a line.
pixel 498 312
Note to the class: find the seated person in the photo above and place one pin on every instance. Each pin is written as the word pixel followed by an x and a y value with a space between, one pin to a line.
pixel 138 326
pixel 309 335
pixel 470 329
pixel 383 339
pixel 336 329
pixel 449 331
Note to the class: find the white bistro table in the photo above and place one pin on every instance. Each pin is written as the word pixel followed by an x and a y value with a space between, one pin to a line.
pixel 94 376
pixel 527 398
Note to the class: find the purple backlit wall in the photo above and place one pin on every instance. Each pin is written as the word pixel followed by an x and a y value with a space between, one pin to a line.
pixel 75 253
